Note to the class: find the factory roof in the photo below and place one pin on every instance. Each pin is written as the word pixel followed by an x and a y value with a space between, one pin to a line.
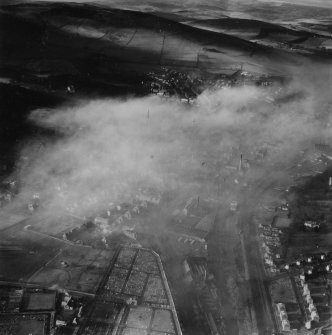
pixel 197 266
pixel 206 223
pixel 188 231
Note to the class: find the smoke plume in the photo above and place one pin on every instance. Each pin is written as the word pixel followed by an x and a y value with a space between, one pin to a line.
pixel 110 149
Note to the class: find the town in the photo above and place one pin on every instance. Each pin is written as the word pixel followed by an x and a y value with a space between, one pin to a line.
pixel 210 251
pixel 165 168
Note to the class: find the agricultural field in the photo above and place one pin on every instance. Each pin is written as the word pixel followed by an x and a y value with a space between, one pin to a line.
pixel 135 283
pixel 23 253
pixel 133 331
pixel 139 317
pixel 117 279
pixel 146 262
pixel 163 321
pixel 308 242
pixel 155 291
pixel 54 226
pixel 106 313
pixel 74 268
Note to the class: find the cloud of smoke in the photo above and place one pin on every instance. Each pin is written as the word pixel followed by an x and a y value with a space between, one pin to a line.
pixel 109 149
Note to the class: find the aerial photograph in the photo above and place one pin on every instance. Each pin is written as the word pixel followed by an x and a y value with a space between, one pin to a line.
pixel 166 167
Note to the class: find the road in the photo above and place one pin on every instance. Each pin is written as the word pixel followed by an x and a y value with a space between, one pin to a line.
pixel 258 282
pixel 237 234
pixel 221 245
pixel 260 299
pixel 234 234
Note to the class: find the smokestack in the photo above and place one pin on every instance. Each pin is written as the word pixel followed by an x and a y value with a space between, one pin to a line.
pixel 240 164
pixel 330 182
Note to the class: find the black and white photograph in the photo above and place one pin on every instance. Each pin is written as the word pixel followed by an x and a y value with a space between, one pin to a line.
pixel 166 167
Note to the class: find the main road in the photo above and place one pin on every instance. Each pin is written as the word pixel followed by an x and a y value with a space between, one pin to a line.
pixel 258 280
pixel 236 234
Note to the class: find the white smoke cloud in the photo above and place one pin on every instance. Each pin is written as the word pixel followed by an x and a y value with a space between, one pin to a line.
pixel 111 148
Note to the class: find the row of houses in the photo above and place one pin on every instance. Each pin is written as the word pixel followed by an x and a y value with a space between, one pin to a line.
pixel 311 310
pixel 316 296
pixel 283 317
pixel 273 220
pixel 270 246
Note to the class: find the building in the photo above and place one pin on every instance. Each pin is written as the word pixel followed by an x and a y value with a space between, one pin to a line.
pixel 212 324
pixel 311 225
pixel 101 221
pixel 194 223
pixel 195 270
pixel 283 317
pixel 187 234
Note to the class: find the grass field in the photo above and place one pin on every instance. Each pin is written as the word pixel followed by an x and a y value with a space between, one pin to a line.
pixel 41 301
pixel 34 327
pixel 139 317
pixel 84 269
pixel 282 291
pixel 28 254
pixel 309 242
pixel 54 226
pixel 163 321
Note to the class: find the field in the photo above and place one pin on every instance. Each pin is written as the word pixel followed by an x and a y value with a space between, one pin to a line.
pixel 309 242
pixel 133 331
pixel 117 279
pixel 163 321
pixel 139 42
pixel 25 253
pixel 282 291
pixel 34 327
pixel 54 227
pixel 154 291
pixel 135 283
pixel 145 262
pixel 7 220
pixel 35 324
pixel 139 317
pixel 132 39
pixel 112 307
pixel 74 268
pixel 40 301
pixel 106 313
pixel 125 258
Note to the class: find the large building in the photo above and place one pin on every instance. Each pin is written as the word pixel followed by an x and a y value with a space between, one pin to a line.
pixel 194 223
